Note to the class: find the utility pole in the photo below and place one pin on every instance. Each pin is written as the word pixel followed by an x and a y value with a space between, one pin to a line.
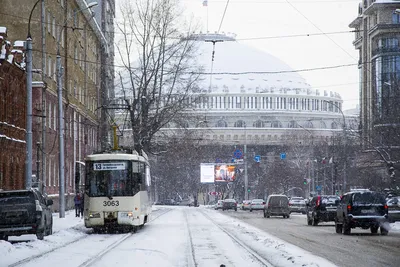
pixel 246 180
pixel 43 146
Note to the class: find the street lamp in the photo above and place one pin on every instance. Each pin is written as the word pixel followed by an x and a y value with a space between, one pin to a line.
pixel 344 143
pixel 61 187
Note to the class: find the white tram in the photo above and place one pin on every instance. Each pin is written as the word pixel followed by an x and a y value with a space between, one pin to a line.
pixel 117 190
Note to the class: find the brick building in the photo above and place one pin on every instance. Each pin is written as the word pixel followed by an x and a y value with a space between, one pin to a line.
pixel 12 114
pixel 71 27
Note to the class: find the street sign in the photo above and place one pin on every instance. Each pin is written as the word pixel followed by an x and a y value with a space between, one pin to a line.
pixel 308 180
pixel 218 160
pixel 238 154
pixel 257 158
pixel 318 187
pixel 283 155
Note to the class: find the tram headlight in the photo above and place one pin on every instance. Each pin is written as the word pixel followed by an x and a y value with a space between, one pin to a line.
pixel 94 215
pixel 127 214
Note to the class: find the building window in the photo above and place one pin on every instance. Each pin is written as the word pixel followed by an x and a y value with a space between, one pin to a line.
pixel 395 18
pixel 48 22
pixel 258 124
pixel 55 117
pixel 49 115
pixel 292 124
pixel 54 27
pixel 276 124
pixel 240 124
pixel 49 73
pixel 221 123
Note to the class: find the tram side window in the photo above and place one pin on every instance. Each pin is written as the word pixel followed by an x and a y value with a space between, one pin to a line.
pixel 139 176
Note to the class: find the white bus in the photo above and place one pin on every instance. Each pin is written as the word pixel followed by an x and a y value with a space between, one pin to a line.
pixel 116 191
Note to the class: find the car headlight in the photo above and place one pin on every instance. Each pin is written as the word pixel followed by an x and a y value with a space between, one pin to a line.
pixel 94 215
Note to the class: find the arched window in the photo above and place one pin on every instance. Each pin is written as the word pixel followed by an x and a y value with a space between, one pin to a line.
pixel 240 124
pixel 334 125
pixel 308 124
pixel 221 123
pixel 322 125
pixel 258 124
pixel 276 124
pixel 292 124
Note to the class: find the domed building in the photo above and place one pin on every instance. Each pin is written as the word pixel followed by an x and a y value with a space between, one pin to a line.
pixel 253 97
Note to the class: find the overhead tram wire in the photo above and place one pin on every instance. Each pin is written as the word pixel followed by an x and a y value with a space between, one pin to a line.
pixel 237 39
pixel 226 73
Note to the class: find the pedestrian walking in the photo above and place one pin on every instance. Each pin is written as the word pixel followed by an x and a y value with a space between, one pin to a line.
pixel 82 205
pixel 78 203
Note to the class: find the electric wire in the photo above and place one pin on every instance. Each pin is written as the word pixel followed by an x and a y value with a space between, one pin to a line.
pixel 223 16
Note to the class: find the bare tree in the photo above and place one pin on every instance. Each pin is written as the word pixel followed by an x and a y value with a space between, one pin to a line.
pixel 159 73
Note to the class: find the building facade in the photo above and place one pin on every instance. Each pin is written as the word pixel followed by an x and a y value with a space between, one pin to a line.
pixel 377 36
pixel 253 97
pixel 70 28
pixel 12 115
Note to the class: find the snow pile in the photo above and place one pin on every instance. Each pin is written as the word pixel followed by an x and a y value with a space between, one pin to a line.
pixel 395 227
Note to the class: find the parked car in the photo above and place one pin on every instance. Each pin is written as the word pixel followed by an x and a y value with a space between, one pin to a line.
pixel 229 204
pixel 246 204
pixel 297 204
pixel 25 212
pixel 257 204
pixel 394 209
pixel 367 210
pixel 322 209
pixel 277 205
pixel 218 205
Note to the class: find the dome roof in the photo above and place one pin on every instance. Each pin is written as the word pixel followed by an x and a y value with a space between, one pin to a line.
pixel 233 57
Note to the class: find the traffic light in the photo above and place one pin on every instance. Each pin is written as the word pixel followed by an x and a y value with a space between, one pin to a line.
pixel 248 190
pixel 305 181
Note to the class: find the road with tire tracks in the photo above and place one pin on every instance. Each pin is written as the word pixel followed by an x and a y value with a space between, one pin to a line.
pixel 360 248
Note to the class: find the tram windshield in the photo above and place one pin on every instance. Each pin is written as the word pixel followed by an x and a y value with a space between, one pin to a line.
pixel 114 178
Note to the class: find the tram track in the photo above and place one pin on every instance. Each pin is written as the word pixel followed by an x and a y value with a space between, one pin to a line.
pixel 88 262
pixel 191 255
pixel 241 244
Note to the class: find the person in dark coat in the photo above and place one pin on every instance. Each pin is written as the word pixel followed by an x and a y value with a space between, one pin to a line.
pixel 78 204
pixel 82 205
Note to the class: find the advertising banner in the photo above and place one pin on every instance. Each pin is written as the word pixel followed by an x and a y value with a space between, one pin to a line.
pixel 225 173
pixel 207 172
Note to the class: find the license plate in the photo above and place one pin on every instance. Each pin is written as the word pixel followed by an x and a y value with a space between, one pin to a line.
pixel 366 211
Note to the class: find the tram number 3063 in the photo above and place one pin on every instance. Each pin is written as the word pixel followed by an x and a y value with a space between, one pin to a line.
pixel 111 203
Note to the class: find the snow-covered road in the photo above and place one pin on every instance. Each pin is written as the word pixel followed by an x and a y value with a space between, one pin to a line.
pixel 177 236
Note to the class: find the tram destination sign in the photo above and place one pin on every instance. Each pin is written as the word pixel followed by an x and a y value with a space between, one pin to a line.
pixel 109 166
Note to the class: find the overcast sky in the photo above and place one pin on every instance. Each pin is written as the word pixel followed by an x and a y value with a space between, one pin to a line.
pixel 329 19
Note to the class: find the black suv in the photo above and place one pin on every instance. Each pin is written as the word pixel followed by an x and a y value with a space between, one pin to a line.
pixel 322 209
pixel 25 212
pixel 365 209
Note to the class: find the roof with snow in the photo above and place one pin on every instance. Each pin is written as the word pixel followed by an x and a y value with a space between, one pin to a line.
pixel 236 68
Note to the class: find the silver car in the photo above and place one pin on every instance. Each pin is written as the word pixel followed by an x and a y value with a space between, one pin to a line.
pixel 394 209
pixel 297 204
pixel 257 204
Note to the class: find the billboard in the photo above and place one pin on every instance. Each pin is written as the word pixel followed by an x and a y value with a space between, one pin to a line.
pixel 225 173
pixel 207 172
